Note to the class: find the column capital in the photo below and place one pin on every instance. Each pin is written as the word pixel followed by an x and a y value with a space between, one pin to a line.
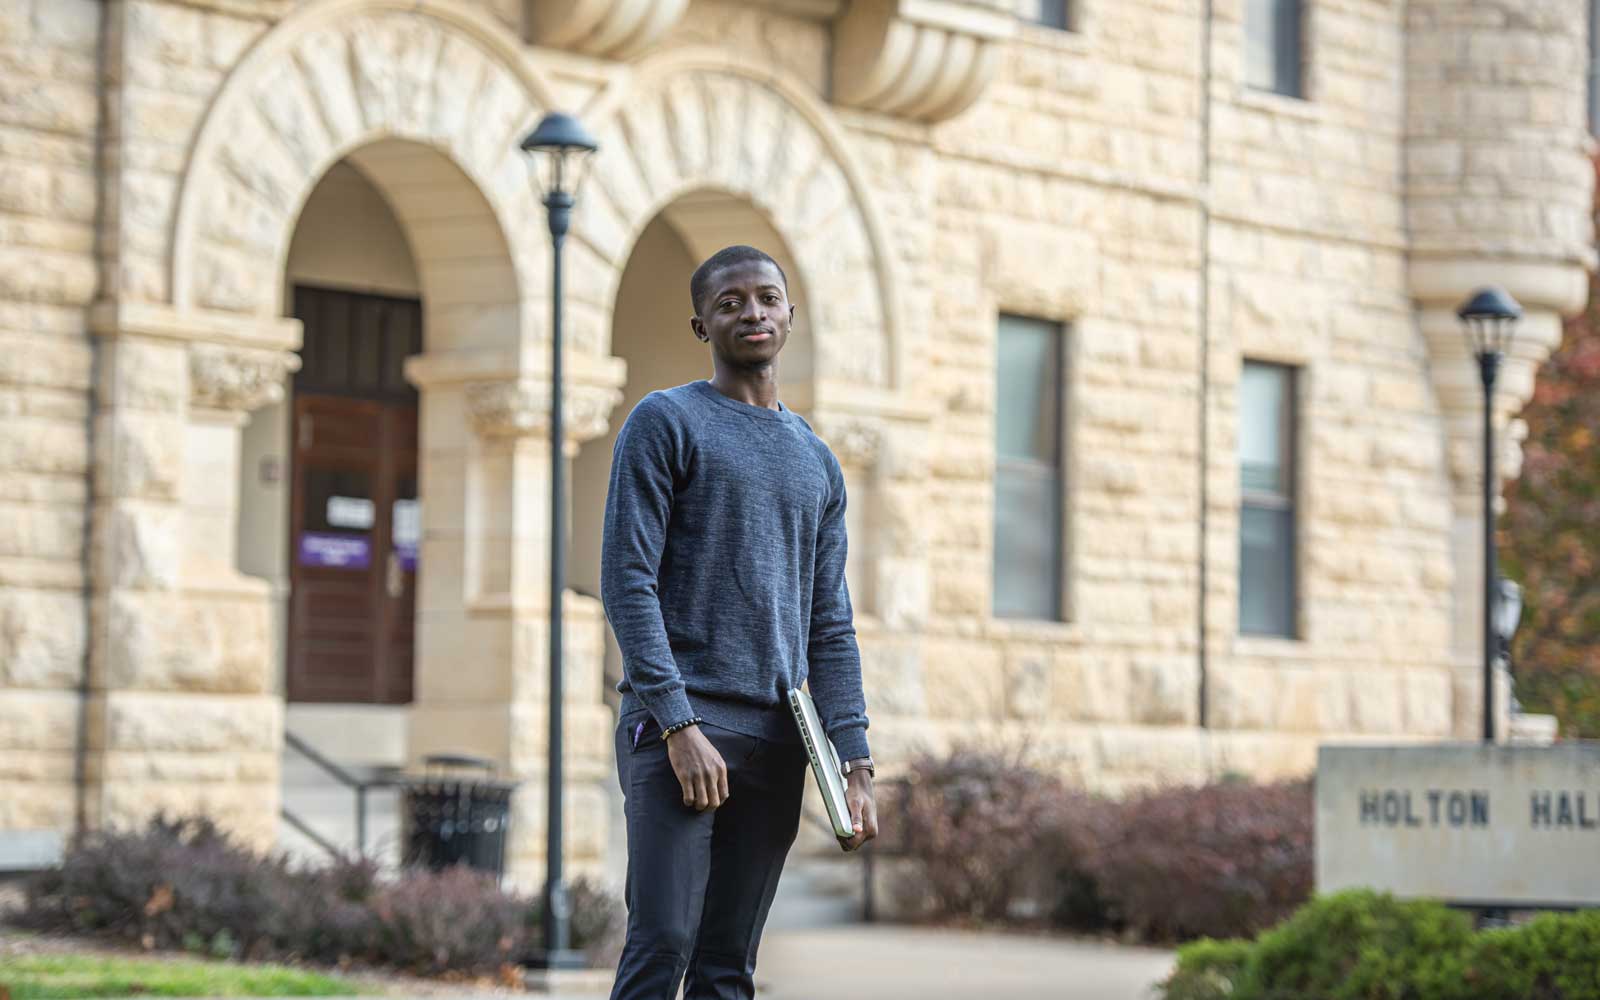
pixel 854 439
pixel 239 379
pixel 520 407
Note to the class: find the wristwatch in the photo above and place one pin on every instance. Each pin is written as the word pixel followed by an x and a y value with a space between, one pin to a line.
pixel 860 764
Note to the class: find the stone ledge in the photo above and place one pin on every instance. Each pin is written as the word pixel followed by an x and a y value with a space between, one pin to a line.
pixel 162 322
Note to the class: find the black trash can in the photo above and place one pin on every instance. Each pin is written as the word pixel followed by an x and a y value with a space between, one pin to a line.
pixel 449 817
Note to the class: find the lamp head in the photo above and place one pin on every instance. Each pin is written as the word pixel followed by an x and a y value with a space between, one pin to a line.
pixel 558 153
pixel 1489 319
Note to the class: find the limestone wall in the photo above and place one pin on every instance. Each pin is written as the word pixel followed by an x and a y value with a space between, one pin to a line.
pixel 1118 179
pixel 49 113
pixel 1307 251
pixel 1088 187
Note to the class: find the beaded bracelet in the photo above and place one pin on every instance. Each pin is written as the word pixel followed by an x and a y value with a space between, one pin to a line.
pixel 685 724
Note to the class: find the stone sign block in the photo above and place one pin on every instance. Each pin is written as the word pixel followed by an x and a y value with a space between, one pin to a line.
pixel 1464 823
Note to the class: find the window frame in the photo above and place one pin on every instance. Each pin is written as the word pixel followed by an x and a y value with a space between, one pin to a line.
pixel 1046 15
pixel 1286 502
pixel 1057 465
pixel 1593 90
pixel 1288 63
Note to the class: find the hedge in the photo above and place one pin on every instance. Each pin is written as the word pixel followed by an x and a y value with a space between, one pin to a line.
pixel 1362 945
pixel 185 884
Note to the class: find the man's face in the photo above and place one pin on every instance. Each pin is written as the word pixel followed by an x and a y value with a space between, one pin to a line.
pixel 746 315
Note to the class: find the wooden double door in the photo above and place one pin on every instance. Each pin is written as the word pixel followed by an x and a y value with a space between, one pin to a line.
pixel 355 517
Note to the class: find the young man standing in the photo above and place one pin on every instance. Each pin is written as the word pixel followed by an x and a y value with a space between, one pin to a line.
pixel 722 573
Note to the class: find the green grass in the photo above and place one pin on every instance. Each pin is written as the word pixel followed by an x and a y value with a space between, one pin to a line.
pixel 58 977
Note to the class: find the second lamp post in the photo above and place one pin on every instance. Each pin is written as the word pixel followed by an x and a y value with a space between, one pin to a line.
pixel 1490 318
pixel 558 153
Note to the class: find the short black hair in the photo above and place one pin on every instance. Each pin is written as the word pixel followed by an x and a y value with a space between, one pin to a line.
pixel 700 284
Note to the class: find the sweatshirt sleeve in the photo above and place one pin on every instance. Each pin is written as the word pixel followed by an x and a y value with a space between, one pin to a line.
pixel 835 661
pixel 649 452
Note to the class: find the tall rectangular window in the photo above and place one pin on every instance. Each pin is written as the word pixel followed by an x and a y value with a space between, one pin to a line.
pixel 1028 480
pixel 1273 34
pixel 1267 492
pixel 1050 13
pixel 1594 67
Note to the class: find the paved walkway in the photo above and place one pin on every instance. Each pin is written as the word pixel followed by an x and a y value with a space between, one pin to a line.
pixel 900 963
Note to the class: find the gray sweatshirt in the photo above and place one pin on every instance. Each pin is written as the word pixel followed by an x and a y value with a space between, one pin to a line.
pixel 722 568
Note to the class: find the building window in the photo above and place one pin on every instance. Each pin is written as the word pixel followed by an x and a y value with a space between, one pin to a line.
pixel 1273 34
pixel 1049 13
pixel 1028 481
pixel 1594 67
pixel 1266 492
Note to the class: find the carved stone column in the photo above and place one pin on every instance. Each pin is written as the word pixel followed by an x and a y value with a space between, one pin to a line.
pixel 183 717
pixel 482 667
pixel 882 450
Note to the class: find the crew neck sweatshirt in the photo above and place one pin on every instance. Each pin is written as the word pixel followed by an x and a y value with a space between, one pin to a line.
pixel 722 568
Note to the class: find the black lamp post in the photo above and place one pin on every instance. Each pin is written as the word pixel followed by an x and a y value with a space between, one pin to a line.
pixel 1490 318
pixel 558 153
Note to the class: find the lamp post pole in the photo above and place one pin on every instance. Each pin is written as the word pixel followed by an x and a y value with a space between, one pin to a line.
pixel 1489 371
pixel 1490 319
pixel 558 206
pixel 561 147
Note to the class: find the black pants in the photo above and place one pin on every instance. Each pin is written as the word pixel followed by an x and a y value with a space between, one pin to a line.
pixel 700 884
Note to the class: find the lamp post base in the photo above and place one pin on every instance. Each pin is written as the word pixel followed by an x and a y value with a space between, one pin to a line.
pixel 565 960
pixel 565 973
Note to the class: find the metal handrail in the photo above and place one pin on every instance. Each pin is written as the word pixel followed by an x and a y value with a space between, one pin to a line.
pixel 310 834
pixel 359 785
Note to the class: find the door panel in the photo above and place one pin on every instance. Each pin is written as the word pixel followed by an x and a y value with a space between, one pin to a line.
pixel 355 520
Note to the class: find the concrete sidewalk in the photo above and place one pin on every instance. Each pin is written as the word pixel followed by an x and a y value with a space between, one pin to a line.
pixel 903 963
pixel 906 963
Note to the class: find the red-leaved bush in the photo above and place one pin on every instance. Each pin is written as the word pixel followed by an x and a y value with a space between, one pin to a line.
pixel 185 884
pixel 1222 860
pixel 990 839
pixel 993 836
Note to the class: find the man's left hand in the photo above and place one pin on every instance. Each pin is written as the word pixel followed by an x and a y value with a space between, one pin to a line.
pixel 863 809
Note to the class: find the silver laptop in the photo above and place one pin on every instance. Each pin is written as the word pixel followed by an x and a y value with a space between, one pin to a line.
pixel 825 765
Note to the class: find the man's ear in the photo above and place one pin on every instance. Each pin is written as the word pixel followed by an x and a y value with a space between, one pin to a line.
pixel 791 313
pixel 699 329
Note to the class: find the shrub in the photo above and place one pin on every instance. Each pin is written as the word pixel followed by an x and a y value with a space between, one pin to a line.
pixel 989 838
pixel 433 922
pixel 1358 945
pixel 1554 955
pixel 972 823
pixel 1361 945
pixel 1222 860
pixel 1207 970
pixel 185 884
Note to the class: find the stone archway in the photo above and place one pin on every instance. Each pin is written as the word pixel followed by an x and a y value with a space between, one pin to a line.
pixel 428 100
pixel 708 142
pixel 328 82
pixel 697 119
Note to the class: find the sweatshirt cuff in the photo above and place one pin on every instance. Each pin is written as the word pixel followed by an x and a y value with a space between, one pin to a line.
pixel 851 743
pixel 671 708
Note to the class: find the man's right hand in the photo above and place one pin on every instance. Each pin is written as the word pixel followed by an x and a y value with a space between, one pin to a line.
pixel 699 767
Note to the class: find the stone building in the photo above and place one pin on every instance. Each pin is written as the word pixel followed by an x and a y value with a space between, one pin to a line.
pixel 1130 321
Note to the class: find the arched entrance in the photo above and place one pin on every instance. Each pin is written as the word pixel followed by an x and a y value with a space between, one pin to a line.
pixel 650 331
pixel 351 490
pixel 426 100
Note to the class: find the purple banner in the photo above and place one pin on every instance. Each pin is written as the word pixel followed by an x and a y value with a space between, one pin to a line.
pixel 321 548
pixel 407 553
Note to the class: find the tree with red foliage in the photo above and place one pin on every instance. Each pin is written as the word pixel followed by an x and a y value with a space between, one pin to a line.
pixel 1550 534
